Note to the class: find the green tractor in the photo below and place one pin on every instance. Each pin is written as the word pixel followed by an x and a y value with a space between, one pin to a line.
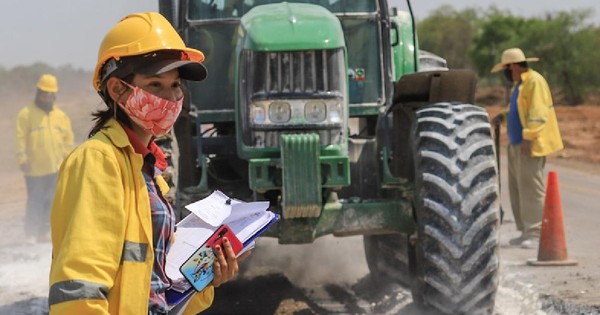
pixel 321 108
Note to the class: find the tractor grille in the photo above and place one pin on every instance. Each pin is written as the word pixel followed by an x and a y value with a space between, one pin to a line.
pixel 291 75
pixel 299 72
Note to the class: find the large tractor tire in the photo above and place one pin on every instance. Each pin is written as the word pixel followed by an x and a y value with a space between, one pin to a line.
pixel 457 210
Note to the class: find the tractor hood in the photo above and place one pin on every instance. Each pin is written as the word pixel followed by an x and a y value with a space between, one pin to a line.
pixel 290 26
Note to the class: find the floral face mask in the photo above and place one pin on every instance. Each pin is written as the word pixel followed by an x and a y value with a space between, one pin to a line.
pixel 153 113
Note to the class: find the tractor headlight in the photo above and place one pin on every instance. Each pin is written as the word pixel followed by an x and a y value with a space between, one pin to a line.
pixel 291 113
pixel 257 114
pixel 315 111
pixel 335 113
pixel 280 112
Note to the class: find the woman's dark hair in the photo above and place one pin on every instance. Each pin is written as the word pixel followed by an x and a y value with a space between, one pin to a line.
pixel 113 110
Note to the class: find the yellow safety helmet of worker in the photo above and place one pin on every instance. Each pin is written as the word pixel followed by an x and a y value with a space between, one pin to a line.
pixel 47 83
pixel 138 34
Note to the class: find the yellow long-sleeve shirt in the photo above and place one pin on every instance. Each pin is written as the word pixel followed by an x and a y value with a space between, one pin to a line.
pixel 42 139
pixel 537 115
pixel 102 232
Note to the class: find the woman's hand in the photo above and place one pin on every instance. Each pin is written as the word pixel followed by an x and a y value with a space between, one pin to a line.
pixel 225 266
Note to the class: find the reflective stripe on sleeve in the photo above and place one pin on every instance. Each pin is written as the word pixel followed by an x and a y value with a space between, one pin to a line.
pixel 537 120
pixel 72 290
pixel 134 252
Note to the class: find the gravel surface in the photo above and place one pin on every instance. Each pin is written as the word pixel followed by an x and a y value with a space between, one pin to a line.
pixel 330 276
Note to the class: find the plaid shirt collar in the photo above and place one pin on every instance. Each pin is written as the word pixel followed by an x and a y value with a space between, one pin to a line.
pixel 140 148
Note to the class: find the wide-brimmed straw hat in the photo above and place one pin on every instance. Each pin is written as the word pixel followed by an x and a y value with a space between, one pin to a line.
pixel 512 55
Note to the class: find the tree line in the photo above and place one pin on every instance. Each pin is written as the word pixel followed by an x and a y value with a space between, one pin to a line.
pixel 567 43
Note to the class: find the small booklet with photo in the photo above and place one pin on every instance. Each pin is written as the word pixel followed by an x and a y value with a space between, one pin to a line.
pixel 198 268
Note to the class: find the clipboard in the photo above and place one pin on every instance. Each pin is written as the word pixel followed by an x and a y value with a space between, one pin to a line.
pixel 245 220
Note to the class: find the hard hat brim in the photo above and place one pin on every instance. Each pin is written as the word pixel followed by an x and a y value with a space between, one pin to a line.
pixel 188 69
pixel 47 89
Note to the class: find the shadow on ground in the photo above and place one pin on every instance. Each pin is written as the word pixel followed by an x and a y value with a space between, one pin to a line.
pixel 32 306
pixel 275 294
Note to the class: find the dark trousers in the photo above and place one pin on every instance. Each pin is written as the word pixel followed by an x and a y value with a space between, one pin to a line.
pixel 40 194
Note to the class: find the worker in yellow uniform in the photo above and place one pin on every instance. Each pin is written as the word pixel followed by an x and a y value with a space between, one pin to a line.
pixel 112 228
pixel 43 139
pixel 533 134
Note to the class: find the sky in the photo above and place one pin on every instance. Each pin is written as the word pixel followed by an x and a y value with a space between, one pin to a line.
pixel 67 32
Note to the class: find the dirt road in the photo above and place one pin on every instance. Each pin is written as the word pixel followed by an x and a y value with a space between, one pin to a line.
pixel 331 275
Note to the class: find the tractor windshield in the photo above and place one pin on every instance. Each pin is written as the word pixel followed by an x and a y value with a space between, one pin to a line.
pixel 224 9
pixel 212 26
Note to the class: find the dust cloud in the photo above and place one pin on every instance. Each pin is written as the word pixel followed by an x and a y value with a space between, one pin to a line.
pixel 328 260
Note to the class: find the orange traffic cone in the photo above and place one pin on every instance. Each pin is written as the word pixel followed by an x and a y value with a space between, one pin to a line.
pixel 553 248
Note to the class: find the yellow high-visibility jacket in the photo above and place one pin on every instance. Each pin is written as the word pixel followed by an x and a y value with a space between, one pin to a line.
pixel 537 115
pixel 42 139
pixel 102 231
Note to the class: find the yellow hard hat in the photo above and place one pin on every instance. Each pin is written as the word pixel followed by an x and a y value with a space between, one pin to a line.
pixel 47 83
pixel 141 34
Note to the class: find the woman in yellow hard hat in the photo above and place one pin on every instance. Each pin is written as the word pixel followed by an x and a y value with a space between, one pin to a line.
pixel 111 226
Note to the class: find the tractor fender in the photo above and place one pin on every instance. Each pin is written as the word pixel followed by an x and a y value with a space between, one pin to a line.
pixel 422 88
